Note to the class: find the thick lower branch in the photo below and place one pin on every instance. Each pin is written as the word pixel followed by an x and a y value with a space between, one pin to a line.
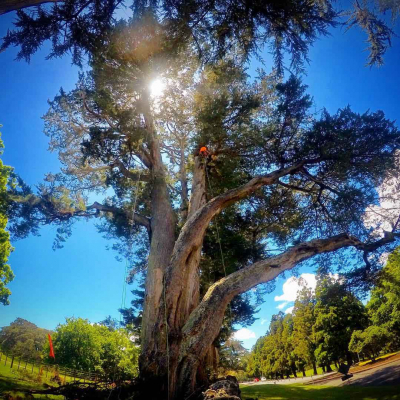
pixel 204 323
pixel 192 234
pixel 137 218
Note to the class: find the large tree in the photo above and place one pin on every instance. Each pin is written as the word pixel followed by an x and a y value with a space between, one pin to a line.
pixel 304 340
pixel 384 305
pixel 23 339
pixel 273 173
pixel 338 313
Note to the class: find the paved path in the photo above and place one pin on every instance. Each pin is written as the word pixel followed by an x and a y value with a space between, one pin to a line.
pixel 388 374
pixel 381 375
pixel 290 381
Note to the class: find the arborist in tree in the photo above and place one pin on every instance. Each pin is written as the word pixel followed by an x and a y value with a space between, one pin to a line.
pixel 208 158
pixel 203 152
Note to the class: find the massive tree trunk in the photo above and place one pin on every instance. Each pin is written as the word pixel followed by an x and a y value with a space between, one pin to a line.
pixel 13 5
pixel 161 339
pixel 154 355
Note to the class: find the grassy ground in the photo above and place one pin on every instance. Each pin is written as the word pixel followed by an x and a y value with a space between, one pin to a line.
pixel 32 369
pixel 310 372
pixel 381 358
pixel 13 382
pixel 299 392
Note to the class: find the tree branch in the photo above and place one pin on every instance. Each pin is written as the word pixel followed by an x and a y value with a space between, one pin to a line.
pixel 205 321
pixel 135 176
pixel 193 231
pixel 137 218
pixel 13 5
pixel 49 210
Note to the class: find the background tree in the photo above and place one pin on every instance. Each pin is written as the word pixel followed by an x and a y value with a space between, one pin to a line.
pixel 304 340
pixel 371 341
pixel 233 358
pixel 23 339
pixel 274 355
pixel 337 314
pixel 384 305
pixel 78 344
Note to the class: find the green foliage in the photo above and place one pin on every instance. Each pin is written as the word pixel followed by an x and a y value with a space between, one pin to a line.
pixel 318 331
pixel 81 345
pixel 304 338
pixel 371 341
pixel 23 339
pixel 338 313
pixel 384 305
pixel 232 357
pixel 273 355
pixel 6 274
pixel 211 27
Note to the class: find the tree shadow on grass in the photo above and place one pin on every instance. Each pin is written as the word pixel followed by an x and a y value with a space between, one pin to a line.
pixel 297 392
pixel 14 385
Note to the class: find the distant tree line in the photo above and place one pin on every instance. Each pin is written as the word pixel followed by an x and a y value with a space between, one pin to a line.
pixel 103 348
pixel 330 327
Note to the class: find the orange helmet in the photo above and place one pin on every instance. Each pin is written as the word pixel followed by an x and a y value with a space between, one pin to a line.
pixel 203 151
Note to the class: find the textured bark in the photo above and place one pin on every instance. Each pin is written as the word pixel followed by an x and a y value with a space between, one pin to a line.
pixel 154 357
pixel 163 364
pixel 13 5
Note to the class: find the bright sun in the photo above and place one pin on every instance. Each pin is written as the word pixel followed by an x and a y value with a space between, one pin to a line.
pixel 157 88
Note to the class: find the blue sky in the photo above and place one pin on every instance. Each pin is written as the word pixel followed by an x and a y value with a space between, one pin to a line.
pixel 84 279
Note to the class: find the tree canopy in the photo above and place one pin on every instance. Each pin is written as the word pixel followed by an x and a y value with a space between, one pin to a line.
pixel 213 27
pixel 23 339
pixel 81 345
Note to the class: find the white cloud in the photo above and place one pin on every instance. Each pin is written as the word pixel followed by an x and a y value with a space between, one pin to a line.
pixel 282 305
pixel 263 321
pixel 244 334
pixel 289 310
pixel 293 285
pixel 384 216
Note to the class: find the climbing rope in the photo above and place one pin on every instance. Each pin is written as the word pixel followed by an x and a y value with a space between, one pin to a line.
pixel 166 334
pixel 218 236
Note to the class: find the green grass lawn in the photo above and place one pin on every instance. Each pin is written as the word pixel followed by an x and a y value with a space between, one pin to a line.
pixel 14 382
pixel 300 392
pixel 310 372
pixel 381 358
